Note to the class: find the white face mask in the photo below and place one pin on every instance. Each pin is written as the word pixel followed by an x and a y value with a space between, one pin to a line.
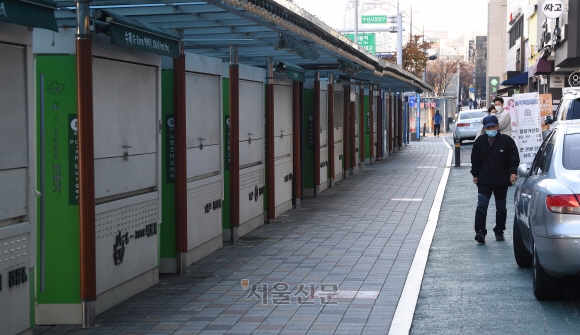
pixel 499 109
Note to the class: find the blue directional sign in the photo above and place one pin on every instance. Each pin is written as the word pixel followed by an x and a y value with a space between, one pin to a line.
pixel 412 101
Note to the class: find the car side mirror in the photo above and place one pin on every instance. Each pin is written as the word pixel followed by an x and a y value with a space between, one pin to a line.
pixel 548 120
pixel 523 170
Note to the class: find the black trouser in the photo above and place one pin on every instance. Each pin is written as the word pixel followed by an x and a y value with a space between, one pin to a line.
pixel 437 129
pixel 483 197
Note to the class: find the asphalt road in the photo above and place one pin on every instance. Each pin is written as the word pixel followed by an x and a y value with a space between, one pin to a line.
pixel 479 289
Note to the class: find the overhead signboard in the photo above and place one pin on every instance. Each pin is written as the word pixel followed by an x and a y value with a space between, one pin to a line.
pixel 374 19
pixel 366 40
pixel 553 9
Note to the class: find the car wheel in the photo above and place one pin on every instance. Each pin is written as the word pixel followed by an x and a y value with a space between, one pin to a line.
pixel 546 287
pixel 522 255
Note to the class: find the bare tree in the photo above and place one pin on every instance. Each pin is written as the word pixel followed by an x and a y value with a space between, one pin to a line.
pixel 442 73
pixel 414 55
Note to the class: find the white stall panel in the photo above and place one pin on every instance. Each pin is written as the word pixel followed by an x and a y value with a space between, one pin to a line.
pixel 282 109
pixel 283 180
pixel 202 162
pixel 203 105
pixel 251 117
pixel 251 152
pixel 13 193
pixel 338 116
pixel 323 165
pixel 338 147
pixel 323 118
pixel 13 109
pixel 116 175
pixel 126 239
pixel 125 108
pixel 251 192
pixel 204 214
pixel 282 146
pixel 15 293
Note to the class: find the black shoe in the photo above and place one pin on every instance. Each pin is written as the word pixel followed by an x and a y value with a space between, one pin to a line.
pixel 480 237
pixel 499 235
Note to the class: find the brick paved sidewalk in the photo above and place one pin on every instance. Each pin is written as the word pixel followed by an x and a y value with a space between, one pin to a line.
pixel 359 238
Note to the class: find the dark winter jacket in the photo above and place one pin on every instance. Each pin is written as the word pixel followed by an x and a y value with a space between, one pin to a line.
pixel 493 165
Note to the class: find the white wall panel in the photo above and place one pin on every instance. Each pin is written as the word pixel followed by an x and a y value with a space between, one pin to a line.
pixel 338 116
pixel 283 182
pixel 204 223
pixel 282 120
pixel 338 147
pixel 13 194
pixel 203 106
pixel 116 175
pixel 131 226
pixel 282 145
pixel 125 108
pixel 251 152
pixel 204 161
pixel 14 306
pixel 323 118
pixel 324 168
pixel 251 122
pixel 13 108
pixel 251 179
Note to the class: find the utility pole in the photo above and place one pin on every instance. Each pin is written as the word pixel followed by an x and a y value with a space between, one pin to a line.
pixel 356 22
pixel 399 37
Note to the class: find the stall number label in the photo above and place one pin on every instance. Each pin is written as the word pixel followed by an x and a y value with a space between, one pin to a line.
pixel 213 206
pixel 288 177
pixel 256 193
pixel 17 277
pixel 122 240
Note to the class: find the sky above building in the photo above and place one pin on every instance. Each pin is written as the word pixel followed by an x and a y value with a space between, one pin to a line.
pixel 458 17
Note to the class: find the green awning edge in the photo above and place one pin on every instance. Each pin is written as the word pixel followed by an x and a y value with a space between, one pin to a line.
pixel 140 25
pixel 294 72
pixel 139 35
pixel 30 13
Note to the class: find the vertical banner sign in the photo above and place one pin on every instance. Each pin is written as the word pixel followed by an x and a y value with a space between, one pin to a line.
pixel 529 129
pixel 170 143
pixel 73 154
pixel 368 119
pixel 58 180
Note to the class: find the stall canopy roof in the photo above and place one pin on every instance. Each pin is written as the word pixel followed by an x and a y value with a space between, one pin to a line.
pixel 259 28
pixel 520 79
pixel 31 13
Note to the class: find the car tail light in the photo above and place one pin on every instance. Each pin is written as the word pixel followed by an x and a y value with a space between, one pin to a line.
pixel 463 125
pixel 565 204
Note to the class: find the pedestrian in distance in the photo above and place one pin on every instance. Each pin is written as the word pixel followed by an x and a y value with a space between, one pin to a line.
pixel 494 163
pixel 505 120
pixel 437 118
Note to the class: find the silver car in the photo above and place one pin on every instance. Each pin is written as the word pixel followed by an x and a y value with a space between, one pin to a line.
pixel 546 229
pixel 468 124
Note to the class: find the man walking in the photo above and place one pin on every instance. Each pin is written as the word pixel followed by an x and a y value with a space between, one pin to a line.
pixel 494 164
pixel 437 123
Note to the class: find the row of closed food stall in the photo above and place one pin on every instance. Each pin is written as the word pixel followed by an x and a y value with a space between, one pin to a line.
pixel 187 152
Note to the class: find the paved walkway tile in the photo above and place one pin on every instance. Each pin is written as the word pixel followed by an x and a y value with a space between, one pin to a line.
pixel 337 265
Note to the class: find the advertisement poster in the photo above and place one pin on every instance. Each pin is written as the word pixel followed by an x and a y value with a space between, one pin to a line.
pixel 528 124
pixel 510 107
pixel 545 110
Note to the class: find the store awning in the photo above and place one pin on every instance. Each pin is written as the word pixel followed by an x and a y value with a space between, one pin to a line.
pixel 294 72
pixel 520 79
pixel 140 35
pixel 542 66
pixel 30 13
